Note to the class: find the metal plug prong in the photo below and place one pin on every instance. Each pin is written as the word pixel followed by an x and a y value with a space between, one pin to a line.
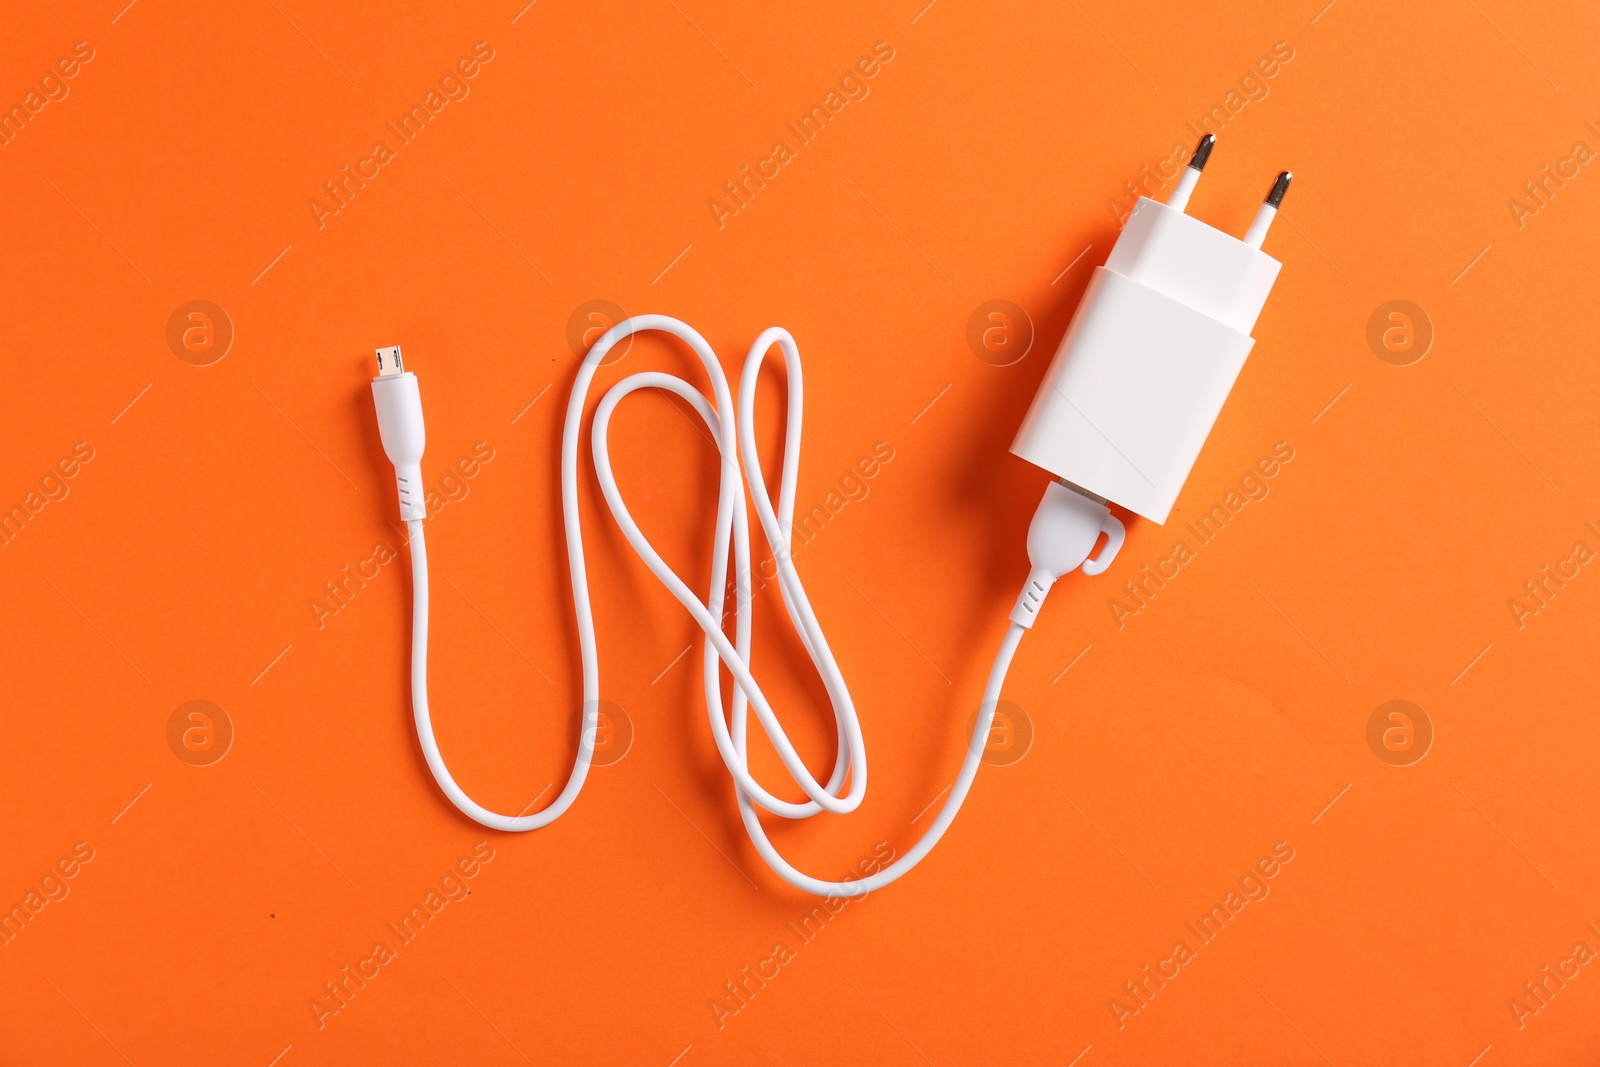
pixel 1191 174
pixel 1269 210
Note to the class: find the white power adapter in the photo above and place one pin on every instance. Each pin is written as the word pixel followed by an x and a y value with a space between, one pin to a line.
pixel 1141 375
pixel 1121 416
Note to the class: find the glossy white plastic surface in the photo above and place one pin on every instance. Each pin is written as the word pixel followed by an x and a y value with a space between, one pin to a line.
pixel 1158 340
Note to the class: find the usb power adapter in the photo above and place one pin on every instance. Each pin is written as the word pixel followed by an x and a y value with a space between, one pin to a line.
pixel 1141 375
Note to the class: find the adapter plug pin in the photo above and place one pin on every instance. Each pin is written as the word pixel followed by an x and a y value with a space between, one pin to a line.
pixel 1191 174
pixel 1269 210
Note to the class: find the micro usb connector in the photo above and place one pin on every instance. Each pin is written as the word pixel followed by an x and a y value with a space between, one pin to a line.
pixel 399 404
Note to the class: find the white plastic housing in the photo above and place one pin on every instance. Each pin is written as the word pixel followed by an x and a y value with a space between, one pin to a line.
pixel 399 404
pixel 1064 529
pixel 1162 332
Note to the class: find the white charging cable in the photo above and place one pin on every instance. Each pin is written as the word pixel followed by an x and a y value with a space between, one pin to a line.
pixel 1064 530
pixel 1148 360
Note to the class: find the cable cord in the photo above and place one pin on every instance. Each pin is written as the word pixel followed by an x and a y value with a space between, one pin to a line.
pixel 735 440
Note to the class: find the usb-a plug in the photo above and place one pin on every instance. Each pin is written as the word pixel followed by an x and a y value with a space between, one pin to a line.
pixel 399 405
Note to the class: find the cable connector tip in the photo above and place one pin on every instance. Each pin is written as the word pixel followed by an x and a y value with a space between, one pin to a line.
pixel 1202 151
pixel 1279 188
pixel 389 361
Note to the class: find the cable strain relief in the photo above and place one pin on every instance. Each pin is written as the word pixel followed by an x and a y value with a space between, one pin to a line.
pixel 1034 590
pixel 413 498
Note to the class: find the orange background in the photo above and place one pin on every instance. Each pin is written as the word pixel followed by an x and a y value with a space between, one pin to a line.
pixel 1228 715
